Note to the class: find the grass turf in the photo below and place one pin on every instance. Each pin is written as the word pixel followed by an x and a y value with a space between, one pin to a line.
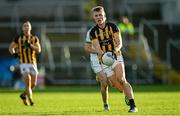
pixel 86 100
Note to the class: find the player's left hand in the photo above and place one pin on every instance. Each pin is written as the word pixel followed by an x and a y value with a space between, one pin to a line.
pixel 115 53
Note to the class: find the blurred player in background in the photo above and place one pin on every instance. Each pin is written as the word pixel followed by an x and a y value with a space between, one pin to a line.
pixel 100 72
pixel 127 28
pixel 25 47
pixel 105 37
pixel 128 32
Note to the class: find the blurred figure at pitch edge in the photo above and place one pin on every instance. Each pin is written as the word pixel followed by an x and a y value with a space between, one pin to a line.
pixel 127 31
pixel 126 28
pixel 25 47
pixel 105 36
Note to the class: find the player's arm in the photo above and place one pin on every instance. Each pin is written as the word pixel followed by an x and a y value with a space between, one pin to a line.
pixel 12 48
pixel 89 48
pixel 118 41
pixel 117 37
pixel 97 48
pixel 36 46
pixel 88 45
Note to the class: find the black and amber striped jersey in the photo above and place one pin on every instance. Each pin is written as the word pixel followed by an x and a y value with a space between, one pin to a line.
pixel 105 36
pixel 26 53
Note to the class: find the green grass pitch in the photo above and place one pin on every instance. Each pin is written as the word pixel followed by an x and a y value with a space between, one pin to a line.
pixel 86 100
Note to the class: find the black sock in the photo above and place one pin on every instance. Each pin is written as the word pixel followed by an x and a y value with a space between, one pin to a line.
pixel 105 105
pixel 132 103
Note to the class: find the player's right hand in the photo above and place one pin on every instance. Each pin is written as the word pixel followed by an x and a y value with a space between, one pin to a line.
pixel 15 55
pixel 100 52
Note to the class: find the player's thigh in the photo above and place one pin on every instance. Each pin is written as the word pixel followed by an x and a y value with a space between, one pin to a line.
pixel 115 83
pixel 34 74
pixel 27 78
pixel 120 72
pixel 113 80
pixel 102 76
pixel 34 80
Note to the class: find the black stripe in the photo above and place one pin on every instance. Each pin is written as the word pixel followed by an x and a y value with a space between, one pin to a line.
pixel 99 37
pixel 27 55
pixel 31 51
pixel 105 38
pixel 112 43
pixel 111 36
pixel 31 56
pixel 27 49
pixel 22 47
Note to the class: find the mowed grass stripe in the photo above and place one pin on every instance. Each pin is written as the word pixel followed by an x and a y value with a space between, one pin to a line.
pixel 87 101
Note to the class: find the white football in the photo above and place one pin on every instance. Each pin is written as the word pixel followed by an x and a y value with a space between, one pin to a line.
pixel 108 59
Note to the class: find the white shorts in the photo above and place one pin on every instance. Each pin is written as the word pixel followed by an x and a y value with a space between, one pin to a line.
pixel 108 70
pixel 96 66
pixel 28 68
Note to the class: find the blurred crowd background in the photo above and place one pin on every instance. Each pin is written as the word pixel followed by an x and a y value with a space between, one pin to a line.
pixel 151 41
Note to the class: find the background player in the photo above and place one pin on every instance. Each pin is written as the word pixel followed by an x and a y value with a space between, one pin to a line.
pixel 25 47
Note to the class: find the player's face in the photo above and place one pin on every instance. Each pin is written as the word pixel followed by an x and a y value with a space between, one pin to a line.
pixel 99 17
pixel 125 20
pixel 26 28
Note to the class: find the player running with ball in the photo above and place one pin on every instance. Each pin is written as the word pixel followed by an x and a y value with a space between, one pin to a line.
pixel 105 37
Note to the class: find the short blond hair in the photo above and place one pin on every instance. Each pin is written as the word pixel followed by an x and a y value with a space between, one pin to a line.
pixel 27 21
pixel 97 9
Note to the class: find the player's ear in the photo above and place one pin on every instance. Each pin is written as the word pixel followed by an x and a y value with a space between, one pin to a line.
pixel 104 15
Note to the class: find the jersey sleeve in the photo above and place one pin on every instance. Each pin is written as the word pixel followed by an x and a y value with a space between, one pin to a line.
pixel 88 40
pixel 93 34
pixel 36 39
pixel 114 27
pixel 16 39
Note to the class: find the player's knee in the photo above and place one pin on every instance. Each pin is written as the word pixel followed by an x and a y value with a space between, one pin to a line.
pixel 33 85
pixel 122 81
pixel 104 88
pixel 25 75
pixel 104 84
pixel 112 83
pixel 117 85
pixel 103 80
